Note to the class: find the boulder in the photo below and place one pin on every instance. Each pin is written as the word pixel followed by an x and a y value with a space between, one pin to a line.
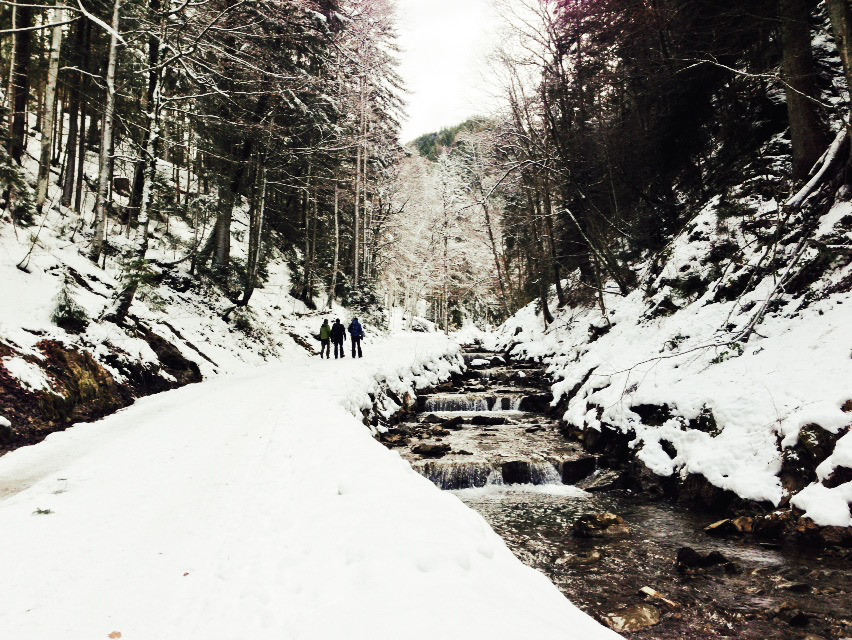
pixel 433 419
pixel 605 480
pixel 730 527
pixel 772 526
pixel 799 463
pixel 792 615
pixel 454 424
pixel 516 472
pixel 431 449
pixel 721 528
pixel 696 490
pixel 688 559
pixel 536 403
pixel 830 536
pixel 633 618
pixel 600 525
pixel 648 483
pixel 840 475
pixel 578 469
pixel 7 433
pixel 393 438
pixel 480 420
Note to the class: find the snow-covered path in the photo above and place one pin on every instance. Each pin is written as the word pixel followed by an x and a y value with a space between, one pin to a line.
pixel 256 506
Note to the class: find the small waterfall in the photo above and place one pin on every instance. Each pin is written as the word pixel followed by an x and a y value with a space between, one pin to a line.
pixel 461 475
pixel 472 402
pixel 469 475
pixel 544 473
pixel 456 402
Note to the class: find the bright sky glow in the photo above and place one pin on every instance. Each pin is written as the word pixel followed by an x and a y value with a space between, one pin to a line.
pixel 444 45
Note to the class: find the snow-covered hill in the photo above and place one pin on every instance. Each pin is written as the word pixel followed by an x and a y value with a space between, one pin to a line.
pixel 52 376
pixel 672 379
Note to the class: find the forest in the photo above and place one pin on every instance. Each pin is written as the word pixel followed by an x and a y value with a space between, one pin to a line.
pixel 619 116
pixel 605 317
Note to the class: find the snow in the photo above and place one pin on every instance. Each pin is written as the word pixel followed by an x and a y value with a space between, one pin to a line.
pixel 4 422
pixel 28 374
pixel 256 505
pixel 59 244
pixel 827 507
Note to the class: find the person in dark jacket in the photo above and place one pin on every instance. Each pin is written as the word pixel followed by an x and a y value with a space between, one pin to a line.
pixel 356 332
pixel 338 335
pixel 325 340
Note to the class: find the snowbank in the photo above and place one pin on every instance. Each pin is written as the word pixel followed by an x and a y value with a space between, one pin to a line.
pixel 256 506
pixel 730 411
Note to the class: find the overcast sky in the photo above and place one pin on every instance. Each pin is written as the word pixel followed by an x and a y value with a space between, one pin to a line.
pixel 444 45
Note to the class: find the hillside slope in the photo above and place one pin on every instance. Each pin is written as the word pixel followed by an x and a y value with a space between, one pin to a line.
pixel 711 381
pixel 61 364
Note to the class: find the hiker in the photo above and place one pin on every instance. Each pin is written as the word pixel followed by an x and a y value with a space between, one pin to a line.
pixel 338 335
pixel 356 332
pixel 325 339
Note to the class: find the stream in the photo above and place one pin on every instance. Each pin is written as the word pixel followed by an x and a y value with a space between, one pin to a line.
pixel 489 441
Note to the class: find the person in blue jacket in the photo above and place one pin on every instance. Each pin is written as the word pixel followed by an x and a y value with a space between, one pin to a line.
pixel 356 332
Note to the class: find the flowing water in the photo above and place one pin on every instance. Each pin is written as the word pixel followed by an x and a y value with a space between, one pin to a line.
pixel 513 466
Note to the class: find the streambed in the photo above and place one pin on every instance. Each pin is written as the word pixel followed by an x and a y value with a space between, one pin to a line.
pixel 488 440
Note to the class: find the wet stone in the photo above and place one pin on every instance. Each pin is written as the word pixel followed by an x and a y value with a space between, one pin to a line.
pixel 634 618
pixel 689 559
pixel 600 525
pixel 453 424
pixel 431 450
pixel 577 469
pixel 488 420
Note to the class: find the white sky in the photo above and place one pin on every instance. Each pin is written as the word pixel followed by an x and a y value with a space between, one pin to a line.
pixel 444 44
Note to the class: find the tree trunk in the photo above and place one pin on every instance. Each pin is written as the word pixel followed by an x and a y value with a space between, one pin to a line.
pixel 335 265
pixel 492 243
pixel 124 299
pixel 840 12
pixel 355 234
pixel 135 201
pixel 71 144
pixel 222 252
pixel 9 99
pixel 21 80
pixel 807 132
pixel 255 236
pixel 551 243
pixel 106 140
pixel 56 15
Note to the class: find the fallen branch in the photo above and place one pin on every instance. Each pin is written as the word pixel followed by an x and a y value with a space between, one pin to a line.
pixel 828 159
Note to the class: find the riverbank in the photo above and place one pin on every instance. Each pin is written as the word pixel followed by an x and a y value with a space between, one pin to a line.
pixel 729 398
pixel 258 505
pixel 641 565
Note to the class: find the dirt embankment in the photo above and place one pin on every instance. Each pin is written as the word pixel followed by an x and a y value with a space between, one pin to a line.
pixel 76 387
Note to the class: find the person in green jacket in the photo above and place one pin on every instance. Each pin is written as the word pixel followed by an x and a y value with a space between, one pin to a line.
pixel 325 339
